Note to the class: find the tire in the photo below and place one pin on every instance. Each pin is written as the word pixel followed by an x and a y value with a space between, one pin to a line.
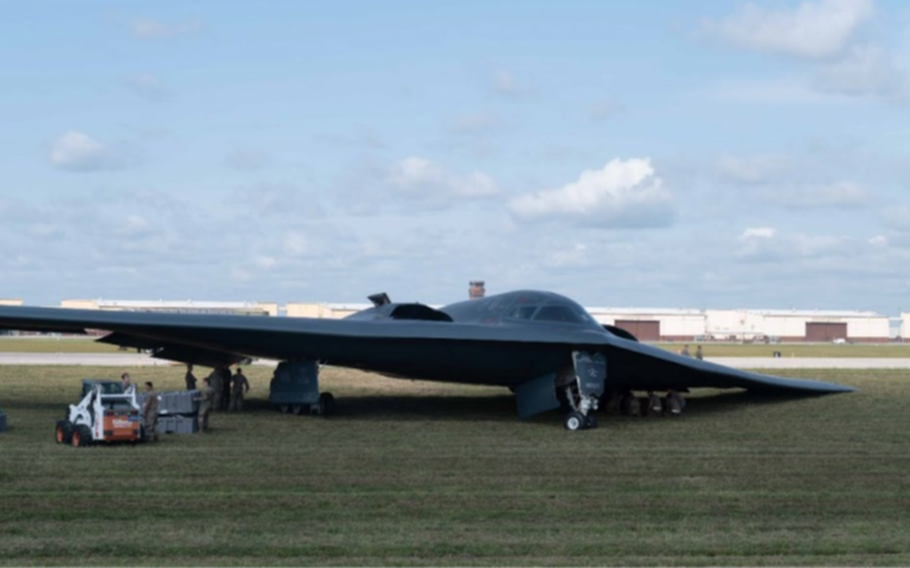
pixel 284 408
pixel 64 432
pixel 575 421
pixel 82 436
pixel 298 409
pixel 326 404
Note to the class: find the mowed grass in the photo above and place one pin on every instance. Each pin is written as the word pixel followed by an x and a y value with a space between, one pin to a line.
pixel 416 473
pixel 55 345
pixel 827 350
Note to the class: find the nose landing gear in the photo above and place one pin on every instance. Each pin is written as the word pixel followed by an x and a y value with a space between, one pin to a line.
pixel 583 393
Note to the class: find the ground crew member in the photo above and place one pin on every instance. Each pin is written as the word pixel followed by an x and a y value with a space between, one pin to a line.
pixel 217 385
pixel 239 387
pixel 206 397
pixel 629 405
pixel 674 408
pixel 655 407
pixel 685 351
pixel 698 354
pixel 225 388
pixel 190 378
pixel 125 383
pixel 150 413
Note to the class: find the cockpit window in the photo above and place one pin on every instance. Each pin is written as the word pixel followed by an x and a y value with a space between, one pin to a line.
pixel 522 312
pixel 559 314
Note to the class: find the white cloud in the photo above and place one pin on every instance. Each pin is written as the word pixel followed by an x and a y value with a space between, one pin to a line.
pixel 421 178
pixel 812 30
pixel 765 244
pixel 78 152
pixel 865 70
pixel 148 87
pixel 622 194
pixel 147 28
pixel 758 233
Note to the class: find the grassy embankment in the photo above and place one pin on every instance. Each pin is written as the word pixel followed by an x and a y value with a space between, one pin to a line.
pixel 419 474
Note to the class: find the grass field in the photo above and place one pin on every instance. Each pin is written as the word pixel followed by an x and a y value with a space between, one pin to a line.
pixel 423 474
pixel 54 345
pixel 887 350
pixel 87 345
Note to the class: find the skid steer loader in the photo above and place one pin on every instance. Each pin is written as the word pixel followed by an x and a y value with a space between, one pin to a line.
pixel 105 414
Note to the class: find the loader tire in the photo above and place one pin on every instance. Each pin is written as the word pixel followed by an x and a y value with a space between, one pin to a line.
pixel 64 432
pixel 82 436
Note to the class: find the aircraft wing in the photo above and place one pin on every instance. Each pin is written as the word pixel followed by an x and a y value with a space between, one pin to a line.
pixel 644 367
pixel 406 346
pixel 502 354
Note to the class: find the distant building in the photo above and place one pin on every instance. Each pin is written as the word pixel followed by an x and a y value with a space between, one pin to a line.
pixel 655 324
pixel 177 307
pixel 9 302
pixel 798 325
pixel 322 310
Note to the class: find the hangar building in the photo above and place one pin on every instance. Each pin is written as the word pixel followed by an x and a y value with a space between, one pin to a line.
pixel 798 325
pixel 181 307
pixel 654 324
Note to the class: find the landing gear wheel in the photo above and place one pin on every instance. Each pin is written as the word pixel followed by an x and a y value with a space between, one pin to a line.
pixel 575 421
pixel 591 421
pixel 326 404
pixel 64 432
pixel 284 408
pixel 82 436
pixel 298 409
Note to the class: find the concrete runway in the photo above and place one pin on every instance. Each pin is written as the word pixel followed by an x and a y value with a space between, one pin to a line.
pixel 142 360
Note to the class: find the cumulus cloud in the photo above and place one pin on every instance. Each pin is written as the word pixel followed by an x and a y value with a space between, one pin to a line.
pixel 147 86
pixel 622 194
pixel 78 152
pixel 147 28
pixel 766 244
pixel 812 30
pixel 758 233
pixel 864 70
pixel 420 178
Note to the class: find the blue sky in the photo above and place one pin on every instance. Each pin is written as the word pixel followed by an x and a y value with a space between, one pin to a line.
pixel 697 154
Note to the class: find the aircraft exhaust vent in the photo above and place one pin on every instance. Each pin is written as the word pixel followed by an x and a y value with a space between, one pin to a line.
pixel 476 290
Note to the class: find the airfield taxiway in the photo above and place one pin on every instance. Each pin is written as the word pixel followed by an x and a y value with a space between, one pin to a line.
pixel 143 360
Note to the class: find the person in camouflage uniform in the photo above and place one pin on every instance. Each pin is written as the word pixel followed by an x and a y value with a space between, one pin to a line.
pixel 217 385
pixel 206 399
pixel 150 413
pixel 239 387
pixel 655 406
pixel 225 388
pixel 190 378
